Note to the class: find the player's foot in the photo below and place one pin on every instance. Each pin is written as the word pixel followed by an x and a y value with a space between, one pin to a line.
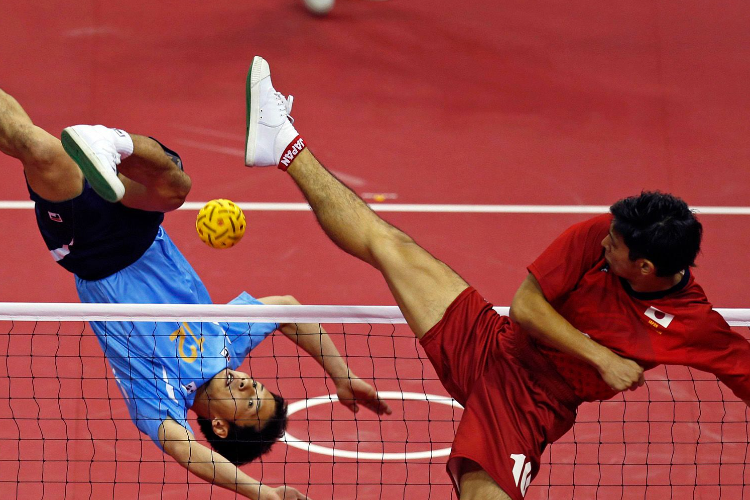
pixel 271 139
pixel 95 149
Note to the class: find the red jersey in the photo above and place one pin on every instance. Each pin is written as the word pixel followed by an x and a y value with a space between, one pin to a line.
pixel 675 327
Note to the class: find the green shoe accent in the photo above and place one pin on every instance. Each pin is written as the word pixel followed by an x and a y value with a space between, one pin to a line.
pixel 248 85
pixel 82 155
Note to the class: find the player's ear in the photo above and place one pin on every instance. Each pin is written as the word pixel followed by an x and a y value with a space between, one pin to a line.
pixel 646 267
pixel 220 427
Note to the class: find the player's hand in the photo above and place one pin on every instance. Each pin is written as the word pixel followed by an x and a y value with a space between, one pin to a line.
pixel 282 493
pixel 353 392
pixel 621 373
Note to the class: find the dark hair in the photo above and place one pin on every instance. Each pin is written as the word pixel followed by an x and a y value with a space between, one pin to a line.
pixel 661 228
pixel 245 444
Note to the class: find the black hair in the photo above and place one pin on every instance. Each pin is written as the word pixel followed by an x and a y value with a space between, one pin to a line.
pixel 661 228
pixel 245 444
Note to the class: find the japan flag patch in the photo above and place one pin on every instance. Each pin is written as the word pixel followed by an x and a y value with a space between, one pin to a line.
pixel 664 319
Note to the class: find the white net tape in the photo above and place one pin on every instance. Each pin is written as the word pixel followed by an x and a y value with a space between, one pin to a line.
pixel 23 311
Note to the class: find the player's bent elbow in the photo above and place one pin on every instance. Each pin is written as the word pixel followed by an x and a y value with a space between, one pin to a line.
pixel 527 302
pixel 515 315
pixel 525 310
pixel 519 308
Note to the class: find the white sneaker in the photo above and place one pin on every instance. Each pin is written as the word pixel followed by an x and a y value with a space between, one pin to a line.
pixel 93 148
pixel 271 139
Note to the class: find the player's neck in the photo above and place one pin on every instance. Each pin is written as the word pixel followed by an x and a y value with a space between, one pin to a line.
pixel 652 283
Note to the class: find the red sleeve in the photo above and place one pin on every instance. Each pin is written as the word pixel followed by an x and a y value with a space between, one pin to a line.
pixel 724 353
pixel 562 265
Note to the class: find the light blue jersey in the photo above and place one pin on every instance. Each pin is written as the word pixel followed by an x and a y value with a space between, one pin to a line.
pixel 159 366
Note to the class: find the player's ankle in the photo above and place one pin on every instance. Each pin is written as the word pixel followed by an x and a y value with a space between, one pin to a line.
pixel 292 151
pixel 123 142
pixel 303 160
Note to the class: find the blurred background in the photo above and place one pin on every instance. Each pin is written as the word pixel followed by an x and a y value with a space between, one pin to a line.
pixel 430 102
pixel 420 101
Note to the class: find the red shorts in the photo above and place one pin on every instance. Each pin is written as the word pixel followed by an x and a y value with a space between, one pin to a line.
pixel 511 411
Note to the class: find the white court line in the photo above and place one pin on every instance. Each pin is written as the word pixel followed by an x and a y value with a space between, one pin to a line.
pixel 428 208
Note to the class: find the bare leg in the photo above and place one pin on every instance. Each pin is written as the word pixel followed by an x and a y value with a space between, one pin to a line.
pixel 49 171
pixel 152 181
pixel 476 484
pixel 422 285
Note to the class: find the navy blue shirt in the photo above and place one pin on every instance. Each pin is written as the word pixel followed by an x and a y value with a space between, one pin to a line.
pixel 94 238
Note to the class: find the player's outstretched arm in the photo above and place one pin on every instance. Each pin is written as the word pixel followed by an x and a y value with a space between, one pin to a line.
pixel 313 339
pixel 531 310
pixel 208 465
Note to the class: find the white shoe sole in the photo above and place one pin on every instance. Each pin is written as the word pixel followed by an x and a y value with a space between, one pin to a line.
pixel 101 177
pixel 258 70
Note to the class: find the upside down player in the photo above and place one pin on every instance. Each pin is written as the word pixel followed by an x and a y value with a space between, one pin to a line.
pixel 610 298
pixel 119 252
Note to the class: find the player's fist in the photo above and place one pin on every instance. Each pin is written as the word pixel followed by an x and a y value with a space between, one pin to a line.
pixel 621 373
pixel 352 391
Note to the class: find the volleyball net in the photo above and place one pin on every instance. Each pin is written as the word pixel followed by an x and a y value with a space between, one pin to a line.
pixel 65 431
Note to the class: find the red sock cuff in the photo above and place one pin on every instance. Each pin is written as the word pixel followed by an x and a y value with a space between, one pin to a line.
pixel 290 153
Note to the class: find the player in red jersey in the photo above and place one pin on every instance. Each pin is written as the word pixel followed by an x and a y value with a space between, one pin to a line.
pixel 610 298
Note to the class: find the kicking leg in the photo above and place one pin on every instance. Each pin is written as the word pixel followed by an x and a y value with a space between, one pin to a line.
pixel 49 171
pixel 476 484
pixel 127 167
pixel 152 180
pixel 423 286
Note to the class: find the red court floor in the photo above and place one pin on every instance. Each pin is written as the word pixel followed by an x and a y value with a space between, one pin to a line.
pixel 424 101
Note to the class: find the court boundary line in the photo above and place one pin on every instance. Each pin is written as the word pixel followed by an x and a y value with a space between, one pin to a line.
pixel 427 208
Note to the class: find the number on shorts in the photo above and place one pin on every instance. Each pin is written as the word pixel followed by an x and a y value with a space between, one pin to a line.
pixel 521 472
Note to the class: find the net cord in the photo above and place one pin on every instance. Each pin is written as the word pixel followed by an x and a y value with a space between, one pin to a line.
pixel 48 311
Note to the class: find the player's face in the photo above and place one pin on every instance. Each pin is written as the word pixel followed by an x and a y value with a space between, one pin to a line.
pixel 238 398
pixel 617 254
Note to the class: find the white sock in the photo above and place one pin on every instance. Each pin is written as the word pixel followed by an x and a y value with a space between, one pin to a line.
pixel 123 143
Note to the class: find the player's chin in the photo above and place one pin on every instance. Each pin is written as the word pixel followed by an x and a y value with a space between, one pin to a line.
pixel 219 381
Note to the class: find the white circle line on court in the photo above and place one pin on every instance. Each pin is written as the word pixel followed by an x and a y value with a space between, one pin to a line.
pixel 362 455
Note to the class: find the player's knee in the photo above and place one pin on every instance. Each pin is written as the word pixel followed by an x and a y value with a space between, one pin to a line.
pixel 180 192
pixel 389 244
pixel 174 194
pixel 393 238
pixel 476 484
pixel 290 300
pixel 39 151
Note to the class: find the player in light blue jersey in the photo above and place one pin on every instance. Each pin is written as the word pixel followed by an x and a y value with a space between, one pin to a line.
pixel 100 216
